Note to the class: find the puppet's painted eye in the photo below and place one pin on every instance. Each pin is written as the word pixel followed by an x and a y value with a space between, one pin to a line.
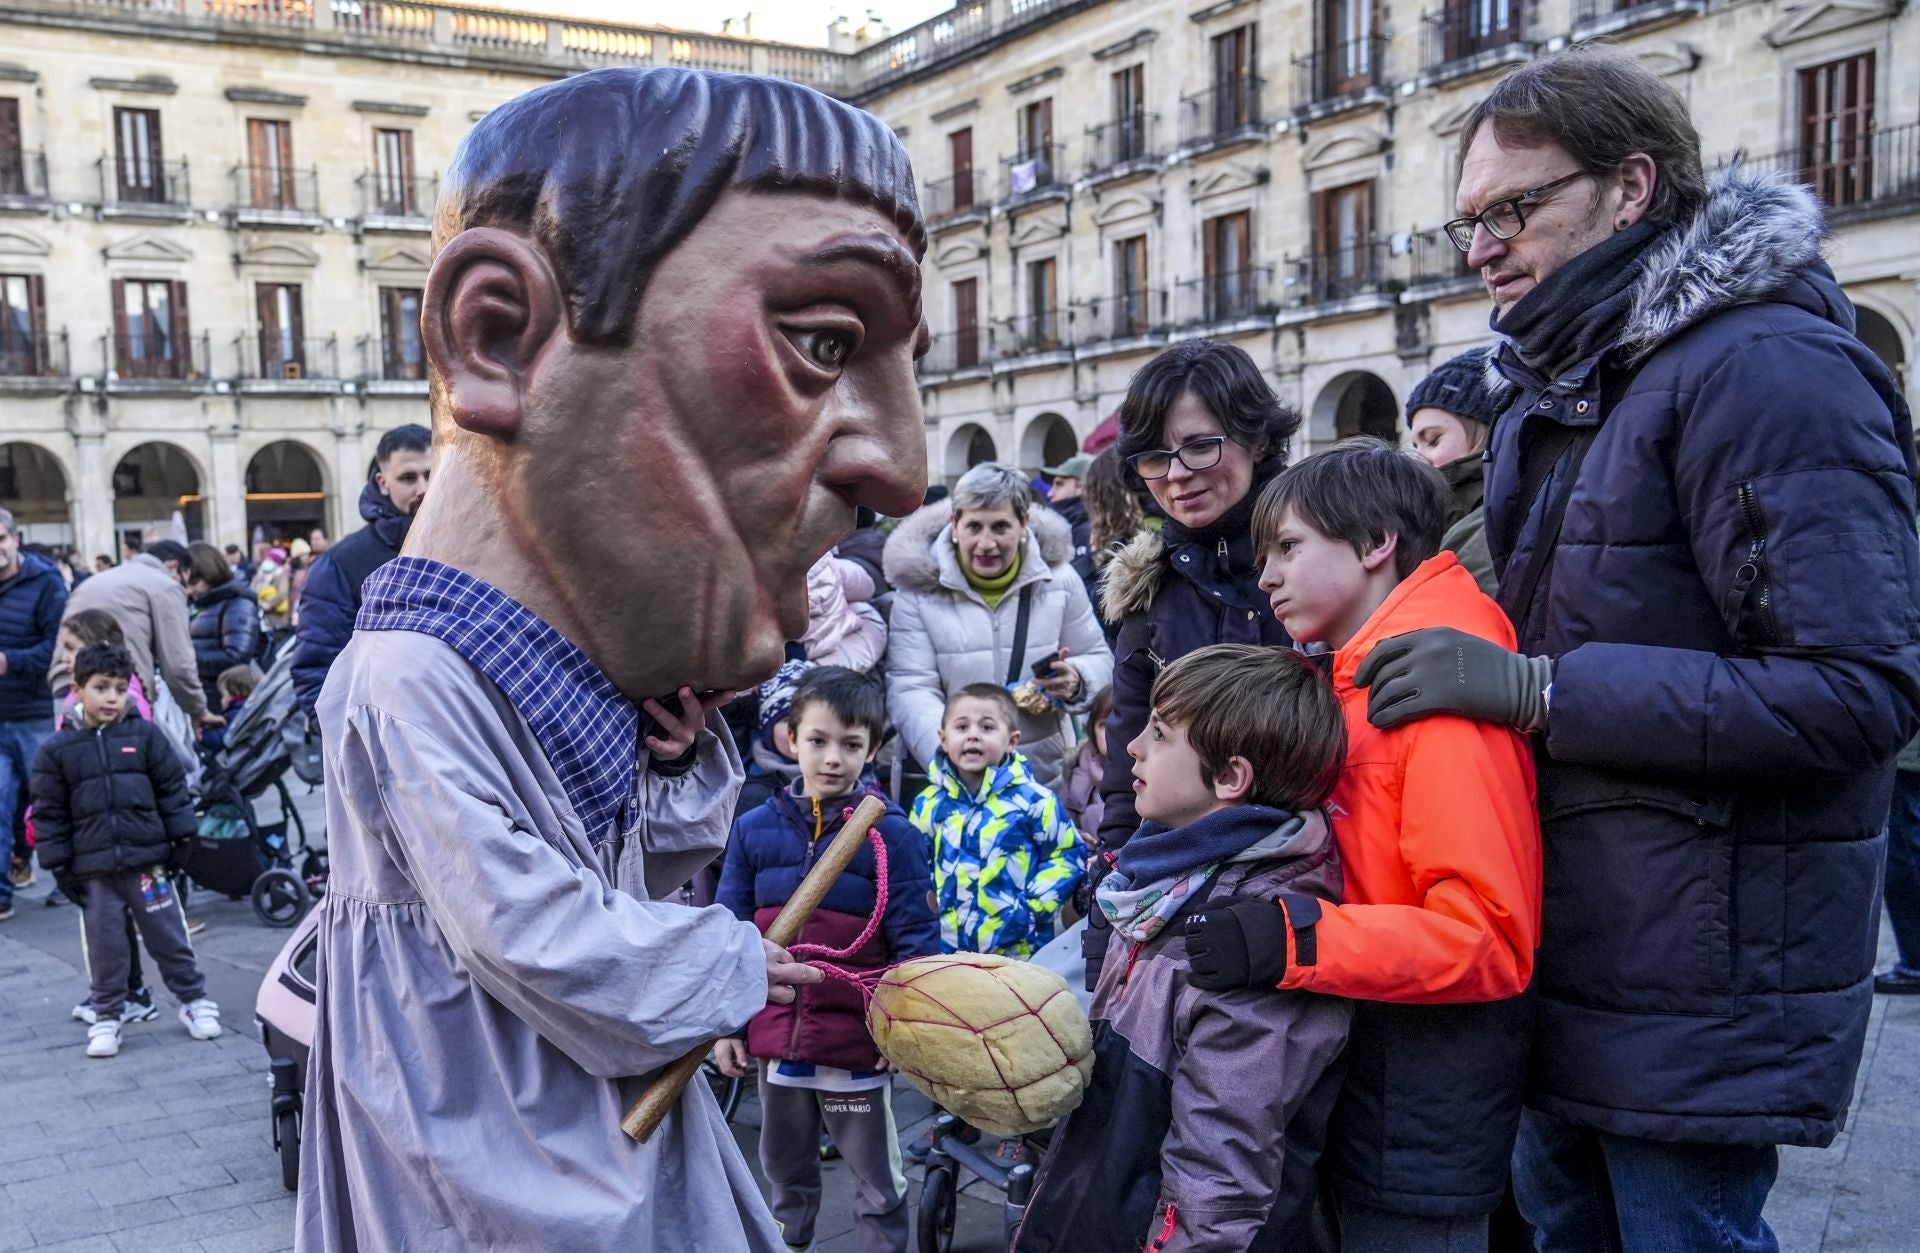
pixel 829 348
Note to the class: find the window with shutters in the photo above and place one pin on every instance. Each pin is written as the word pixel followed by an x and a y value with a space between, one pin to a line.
pixel 270 164
pixel 1836 129
pixel 402 356
pixel 394 191
pixel 960 161
pixel 23 342
pixel 139 172
pixel 1227 264
pixel 1236 95
pixel 1342 264
pixel 1129 115
pixel 1043 296
pixel 1347 34
pixel 282 346
pixel 151 339
pixel 1036 142
pixel 966 324
pixel 1130 311
pixel 13 158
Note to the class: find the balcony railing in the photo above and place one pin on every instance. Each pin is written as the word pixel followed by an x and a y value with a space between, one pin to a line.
pixel 268 356
pixel 397 196
pixel 1468 28
pixel 275 189
pixel 138 181
pixel 1229 296
pixel 1036 170
pixel 1043 331
pixel 1436 260
pixel 1128 315
pixel 1338 273
pixel 1339 71
pixel 378 360
pixel 1122 141
pixel 1854 173
pixel 40 354
pixel 134 355
pixel 1589 11
pixel 964 349
pixel 23 175
pixel 956 194
pixel 1231 108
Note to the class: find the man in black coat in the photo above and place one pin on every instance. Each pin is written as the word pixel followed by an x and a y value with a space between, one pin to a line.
pixel 32 598
pixel 403 463
pixel 1064 497
pixel 1700 507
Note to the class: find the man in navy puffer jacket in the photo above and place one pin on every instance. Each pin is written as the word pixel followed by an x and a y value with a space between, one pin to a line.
pixel 1700 507
pixel 32 599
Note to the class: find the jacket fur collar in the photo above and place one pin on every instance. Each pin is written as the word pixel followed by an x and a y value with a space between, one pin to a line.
pixel 1133 575
pixel 911 560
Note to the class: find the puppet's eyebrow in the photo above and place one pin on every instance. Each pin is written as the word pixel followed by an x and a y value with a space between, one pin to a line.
pixel 888 256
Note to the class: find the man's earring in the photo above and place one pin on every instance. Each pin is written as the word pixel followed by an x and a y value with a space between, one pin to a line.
pixel 1621 225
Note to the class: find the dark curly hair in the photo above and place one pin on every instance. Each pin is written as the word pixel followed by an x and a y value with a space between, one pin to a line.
pixel 1224 379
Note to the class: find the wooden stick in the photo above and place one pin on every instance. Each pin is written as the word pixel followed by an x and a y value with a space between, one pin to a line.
pixel 664 1092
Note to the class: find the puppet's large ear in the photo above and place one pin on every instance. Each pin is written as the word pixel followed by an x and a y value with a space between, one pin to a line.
pixel 492 303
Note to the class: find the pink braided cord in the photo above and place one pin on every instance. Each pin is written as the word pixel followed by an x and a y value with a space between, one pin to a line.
pixel 873 920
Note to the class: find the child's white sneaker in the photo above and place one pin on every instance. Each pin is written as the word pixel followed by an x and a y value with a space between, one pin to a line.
pixel 103 1038
pixel 201 1018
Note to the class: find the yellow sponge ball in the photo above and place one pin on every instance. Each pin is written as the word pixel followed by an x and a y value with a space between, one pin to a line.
pixel 1001 1043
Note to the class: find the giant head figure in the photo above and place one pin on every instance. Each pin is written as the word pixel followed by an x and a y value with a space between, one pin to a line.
pixel 672 319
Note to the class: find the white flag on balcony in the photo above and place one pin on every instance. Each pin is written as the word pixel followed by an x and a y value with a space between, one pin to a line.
pixel 1026 176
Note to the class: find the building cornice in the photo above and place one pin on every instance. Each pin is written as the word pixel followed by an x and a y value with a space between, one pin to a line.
pixel 11 73
pixel 391 108
pixel 146 84
pixel 1139 39
pixel 262 95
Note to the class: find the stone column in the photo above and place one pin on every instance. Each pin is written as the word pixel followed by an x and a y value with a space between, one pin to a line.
pixel 93 497
pixel 226 492
pixel 350 453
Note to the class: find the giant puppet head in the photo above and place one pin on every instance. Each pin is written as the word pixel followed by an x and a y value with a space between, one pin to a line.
pixel 672 320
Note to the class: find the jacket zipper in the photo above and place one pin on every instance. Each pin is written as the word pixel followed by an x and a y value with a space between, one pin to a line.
pixel 1753 574
pixel 1167 1227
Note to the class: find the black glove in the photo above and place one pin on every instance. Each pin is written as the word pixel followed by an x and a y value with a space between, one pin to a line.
pixel 177 853
pixel 71 885
pixel 1441 670
pixel 1238 942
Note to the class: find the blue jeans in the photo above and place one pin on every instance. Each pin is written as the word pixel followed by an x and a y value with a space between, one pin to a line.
pixel 1903 869
pixel 1589 1192
pixel 19 741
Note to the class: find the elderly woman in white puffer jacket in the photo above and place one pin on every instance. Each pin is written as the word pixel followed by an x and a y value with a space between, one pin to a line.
pixel 961 569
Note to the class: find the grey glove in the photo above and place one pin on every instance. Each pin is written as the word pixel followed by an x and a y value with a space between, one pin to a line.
pixel 1441 670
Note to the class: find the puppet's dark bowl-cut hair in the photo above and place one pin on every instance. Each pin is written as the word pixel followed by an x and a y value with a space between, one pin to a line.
pixel 608 170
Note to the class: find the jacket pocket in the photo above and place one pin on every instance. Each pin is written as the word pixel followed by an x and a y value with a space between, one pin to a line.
pixel 1638 909
pixel 1849 589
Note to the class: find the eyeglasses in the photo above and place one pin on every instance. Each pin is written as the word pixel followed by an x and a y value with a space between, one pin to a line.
pixel 1195 454
pixel 1503 218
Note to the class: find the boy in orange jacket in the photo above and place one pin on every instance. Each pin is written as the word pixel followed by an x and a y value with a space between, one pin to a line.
pixel 1440 841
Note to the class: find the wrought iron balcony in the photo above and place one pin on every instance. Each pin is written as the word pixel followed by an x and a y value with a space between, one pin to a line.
pixel 1228 296
pixel 1626 12
pixel 136 181
pixel 1339 71
pixel 1230 109
pixel 379 360
pixel 1854 174
pixel 37 354
pixel 386 195
pixel 144 356
pixel 1436 260
pixel 265 355
pixel 951 351
pixel 1336 274
pixel 1467 29
pixel 1029 172
pixel 275 189
pixel 949 197
pixel 1121 142
pixel 23 176
pixel 1039 332
pixel 1128 315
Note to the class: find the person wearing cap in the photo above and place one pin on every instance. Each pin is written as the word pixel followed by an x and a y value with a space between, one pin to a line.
pixel 1066 499
pixel 1451 412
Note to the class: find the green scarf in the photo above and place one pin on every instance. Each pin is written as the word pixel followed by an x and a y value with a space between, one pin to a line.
pixel 994 589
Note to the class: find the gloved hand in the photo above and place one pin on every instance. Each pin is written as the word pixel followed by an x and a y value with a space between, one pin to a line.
pixel 1238 942
pixel 71 885
pixel 1441 670
pixel 177 853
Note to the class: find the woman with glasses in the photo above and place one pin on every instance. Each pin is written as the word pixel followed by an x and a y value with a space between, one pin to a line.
pixel 1203 433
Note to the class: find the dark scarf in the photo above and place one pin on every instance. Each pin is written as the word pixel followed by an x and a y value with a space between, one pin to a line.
pixel 1156 852
pixel 1580 308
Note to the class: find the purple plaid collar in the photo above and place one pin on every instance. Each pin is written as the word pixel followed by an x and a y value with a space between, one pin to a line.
pixel 589 731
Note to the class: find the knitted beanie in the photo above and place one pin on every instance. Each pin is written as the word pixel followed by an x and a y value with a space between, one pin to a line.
pixel 1464 387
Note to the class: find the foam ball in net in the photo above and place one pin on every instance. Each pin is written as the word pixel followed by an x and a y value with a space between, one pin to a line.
pixel 1001 1043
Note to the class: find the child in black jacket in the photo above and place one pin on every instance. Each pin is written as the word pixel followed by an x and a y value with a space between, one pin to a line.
pixel 110 808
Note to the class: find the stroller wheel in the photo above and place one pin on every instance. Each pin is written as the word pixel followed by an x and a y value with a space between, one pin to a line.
pixel 726 1089
pixel 938 1210
pixel 286 1138
pixel 279 897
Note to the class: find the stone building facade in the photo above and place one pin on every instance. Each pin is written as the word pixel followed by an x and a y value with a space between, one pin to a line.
pixel 214 213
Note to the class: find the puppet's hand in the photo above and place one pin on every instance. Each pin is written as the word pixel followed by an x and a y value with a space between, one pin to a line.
pixel 732 1057
pixel 785 974
pixel 678 730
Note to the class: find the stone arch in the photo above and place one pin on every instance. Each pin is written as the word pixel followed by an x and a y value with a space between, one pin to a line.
pixel 286 493
pixel 35 488
pixel 967 447
pixel 1879 332
pixel 1047 441
pixel 150 482
pixel 1356 403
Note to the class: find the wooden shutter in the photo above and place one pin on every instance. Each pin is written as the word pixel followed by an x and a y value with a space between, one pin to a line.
pixel 13 176
pixel 258 179
pixel 41 347
pixel 184 364
pixel 116 351
pixel 1836 127
pixel 389 330
pixel 966 323
pixel 960 154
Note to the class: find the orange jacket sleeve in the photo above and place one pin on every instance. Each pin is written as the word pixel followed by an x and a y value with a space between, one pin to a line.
pixel 1469 835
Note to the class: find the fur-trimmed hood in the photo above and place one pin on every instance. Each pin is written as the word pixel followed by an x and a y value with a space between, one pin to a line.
pixel 1132 576
pixel 911 561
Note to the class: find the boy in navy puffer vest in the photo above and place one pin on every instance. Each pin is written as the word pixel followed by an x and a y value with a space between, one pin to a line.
pixel 111 808
pixel 816 1060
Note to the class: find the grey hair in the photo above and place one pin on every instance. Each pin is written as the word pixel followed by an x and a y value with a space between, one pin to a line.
pixel 7 523
pixel 990 485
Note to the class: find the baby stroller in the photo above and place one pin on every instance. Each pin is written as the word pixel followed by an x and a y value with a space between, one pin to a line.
pixel 234 852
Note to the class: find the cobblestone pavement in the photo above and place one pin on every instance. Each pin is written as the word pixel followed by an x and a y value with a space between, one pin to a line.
pixel 168 1147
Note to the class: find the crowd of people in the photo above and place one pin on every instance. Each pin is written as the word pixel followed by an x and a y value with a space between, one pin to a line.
pixel 1475 844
